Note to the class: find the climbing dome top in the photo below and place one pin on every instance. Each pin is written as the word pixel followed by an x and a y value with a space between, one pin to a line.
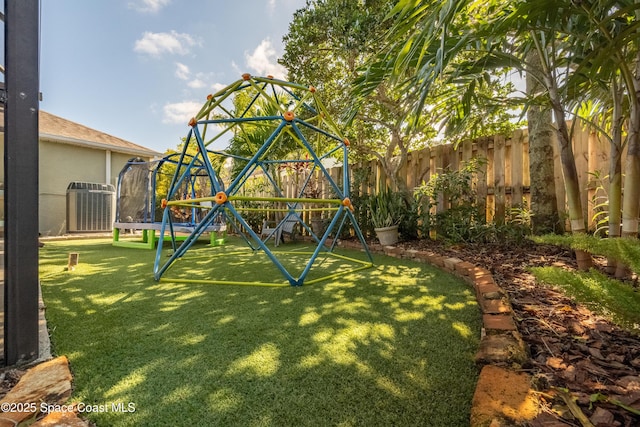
pixel 270 125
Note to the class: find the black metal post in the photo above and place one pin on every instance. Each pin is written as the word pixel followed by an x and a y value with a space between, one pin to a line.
pixel 21 181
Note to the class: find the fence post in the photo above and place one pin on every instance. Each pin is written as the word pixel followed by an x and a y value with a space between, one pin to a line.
pixel 499 177
pixel 516 168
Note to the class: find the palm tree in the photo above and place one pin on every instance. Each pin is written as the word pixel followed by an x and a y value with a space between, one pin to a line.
pixel 455 40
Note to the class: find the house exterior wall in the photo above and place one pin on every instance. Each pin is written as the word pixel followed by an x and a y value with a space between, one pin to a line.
pixel 61 164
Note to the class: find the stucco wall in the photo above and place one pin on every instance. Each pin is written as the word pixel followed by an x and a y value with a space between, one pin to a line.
pixel 61 164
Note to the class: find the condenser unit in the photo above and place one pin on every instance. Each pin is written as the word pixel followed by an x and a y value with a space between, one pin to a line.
pixel 89 207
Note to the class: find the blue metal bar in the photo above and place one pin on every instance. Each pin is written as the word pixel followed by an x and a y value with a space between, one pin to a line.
pixel 317 129
pixel 358 232
pixel 346 183
pixel 319 247
pixel 202 151
pixel 317 161
pixel 262 246
pixel 297 98
pixel 177 172
pixel 188 242
pixel 245 178
pixel 258 154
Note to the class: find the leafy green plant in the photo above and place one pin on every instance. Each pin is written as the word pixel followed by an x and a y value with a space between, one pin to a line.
pixel 622 250
pixel 408 227
pixel 386 208
pixel 600 204
pixel 361 203
pixel 448 204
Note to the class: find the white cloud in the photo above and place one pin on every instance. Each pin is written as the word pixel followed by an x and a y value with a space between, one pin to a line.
pixel 155 44
pixel 182 71
pixel 196 84
pixel 217 87
pixel 263 60
pixel 148 6
pixel 180 112
pixel 197 81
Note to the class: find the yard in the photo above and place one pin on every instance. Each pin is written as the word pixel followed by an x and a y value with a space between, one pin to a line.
pixel 390 345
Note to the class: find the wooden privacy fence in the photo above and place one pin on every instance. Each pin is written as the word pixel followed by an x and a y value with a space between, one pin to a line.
pixel 504 179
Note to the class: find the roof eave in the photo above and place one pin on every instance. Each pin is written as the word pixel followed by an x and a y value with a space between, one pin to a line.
pixel 97 145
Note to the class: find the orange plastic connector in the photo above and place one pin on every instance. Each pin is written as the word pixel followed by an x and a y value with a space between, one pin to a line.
pixel 193 122
pixel 246 76
pixel 163 203
pixel 346 202
pixel 312 89
pixel 289 116
pixel 221 197
pixel 209 97
pixel 270 77
pixel 346 142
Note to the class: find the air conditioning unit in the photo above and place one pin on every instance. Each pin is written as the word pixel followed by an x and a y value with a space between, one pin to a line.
pixel 89 207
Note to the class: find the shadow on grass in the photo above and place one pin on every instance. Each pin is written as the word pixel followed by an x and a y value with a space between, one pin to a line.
pixel 391 345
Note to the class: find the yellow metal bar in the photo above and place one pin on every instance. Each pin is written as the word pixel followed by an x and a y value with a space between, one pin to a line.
pixel 341 273
pixel 227 129
pixel 352 259
pixel 223 282
pixel 327 117
pixel 229 90
pixel 284 199
pixel 281 83
pixel 272 101
pixel 304 99
pixel 238 208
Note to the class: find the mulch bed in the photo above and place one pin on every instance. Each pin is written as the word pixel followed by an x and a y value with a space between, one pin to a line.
pixel 570 347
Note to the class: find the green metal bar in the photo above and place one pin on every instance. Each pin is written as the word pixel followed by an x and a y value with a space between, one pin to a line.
pixel 148 241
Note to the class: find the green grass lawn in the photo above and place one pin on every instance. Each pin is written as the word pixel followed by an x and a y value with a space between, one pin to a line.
pixel 609 297
pixel 392 345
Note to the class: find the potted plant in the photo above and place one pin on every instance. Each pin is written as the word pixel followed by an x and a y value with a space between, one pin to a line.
pixel 386 212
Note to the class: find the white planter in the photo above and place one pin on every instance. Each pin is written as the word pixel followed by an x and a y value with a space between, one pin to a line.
pixel 387 235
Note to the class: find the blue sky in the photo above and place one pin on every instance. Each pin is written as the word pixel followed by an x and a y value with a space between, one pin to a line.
pixel 139 69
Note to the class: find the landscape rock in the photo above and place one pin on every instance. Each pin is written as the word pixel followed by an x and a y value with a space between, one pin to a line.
pixel 48 382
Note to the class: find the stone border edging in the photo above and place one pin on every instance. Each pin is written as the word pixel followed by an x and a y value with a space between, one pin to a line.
pixel 502 351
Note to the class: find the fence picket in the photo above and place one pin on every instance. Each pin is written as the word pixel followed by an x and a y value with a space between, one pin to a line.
pixel 504 177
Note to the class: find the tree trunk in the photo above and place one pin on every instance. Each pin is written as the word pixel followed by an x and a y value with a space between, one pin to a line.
pixel 544 205
pixel 631 196
pixel 615 171
pixel 570 174
pixel 567 159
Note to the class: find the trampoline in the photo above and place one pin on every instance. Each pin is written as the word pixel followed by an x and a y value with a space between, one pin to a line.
pixel 138 202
